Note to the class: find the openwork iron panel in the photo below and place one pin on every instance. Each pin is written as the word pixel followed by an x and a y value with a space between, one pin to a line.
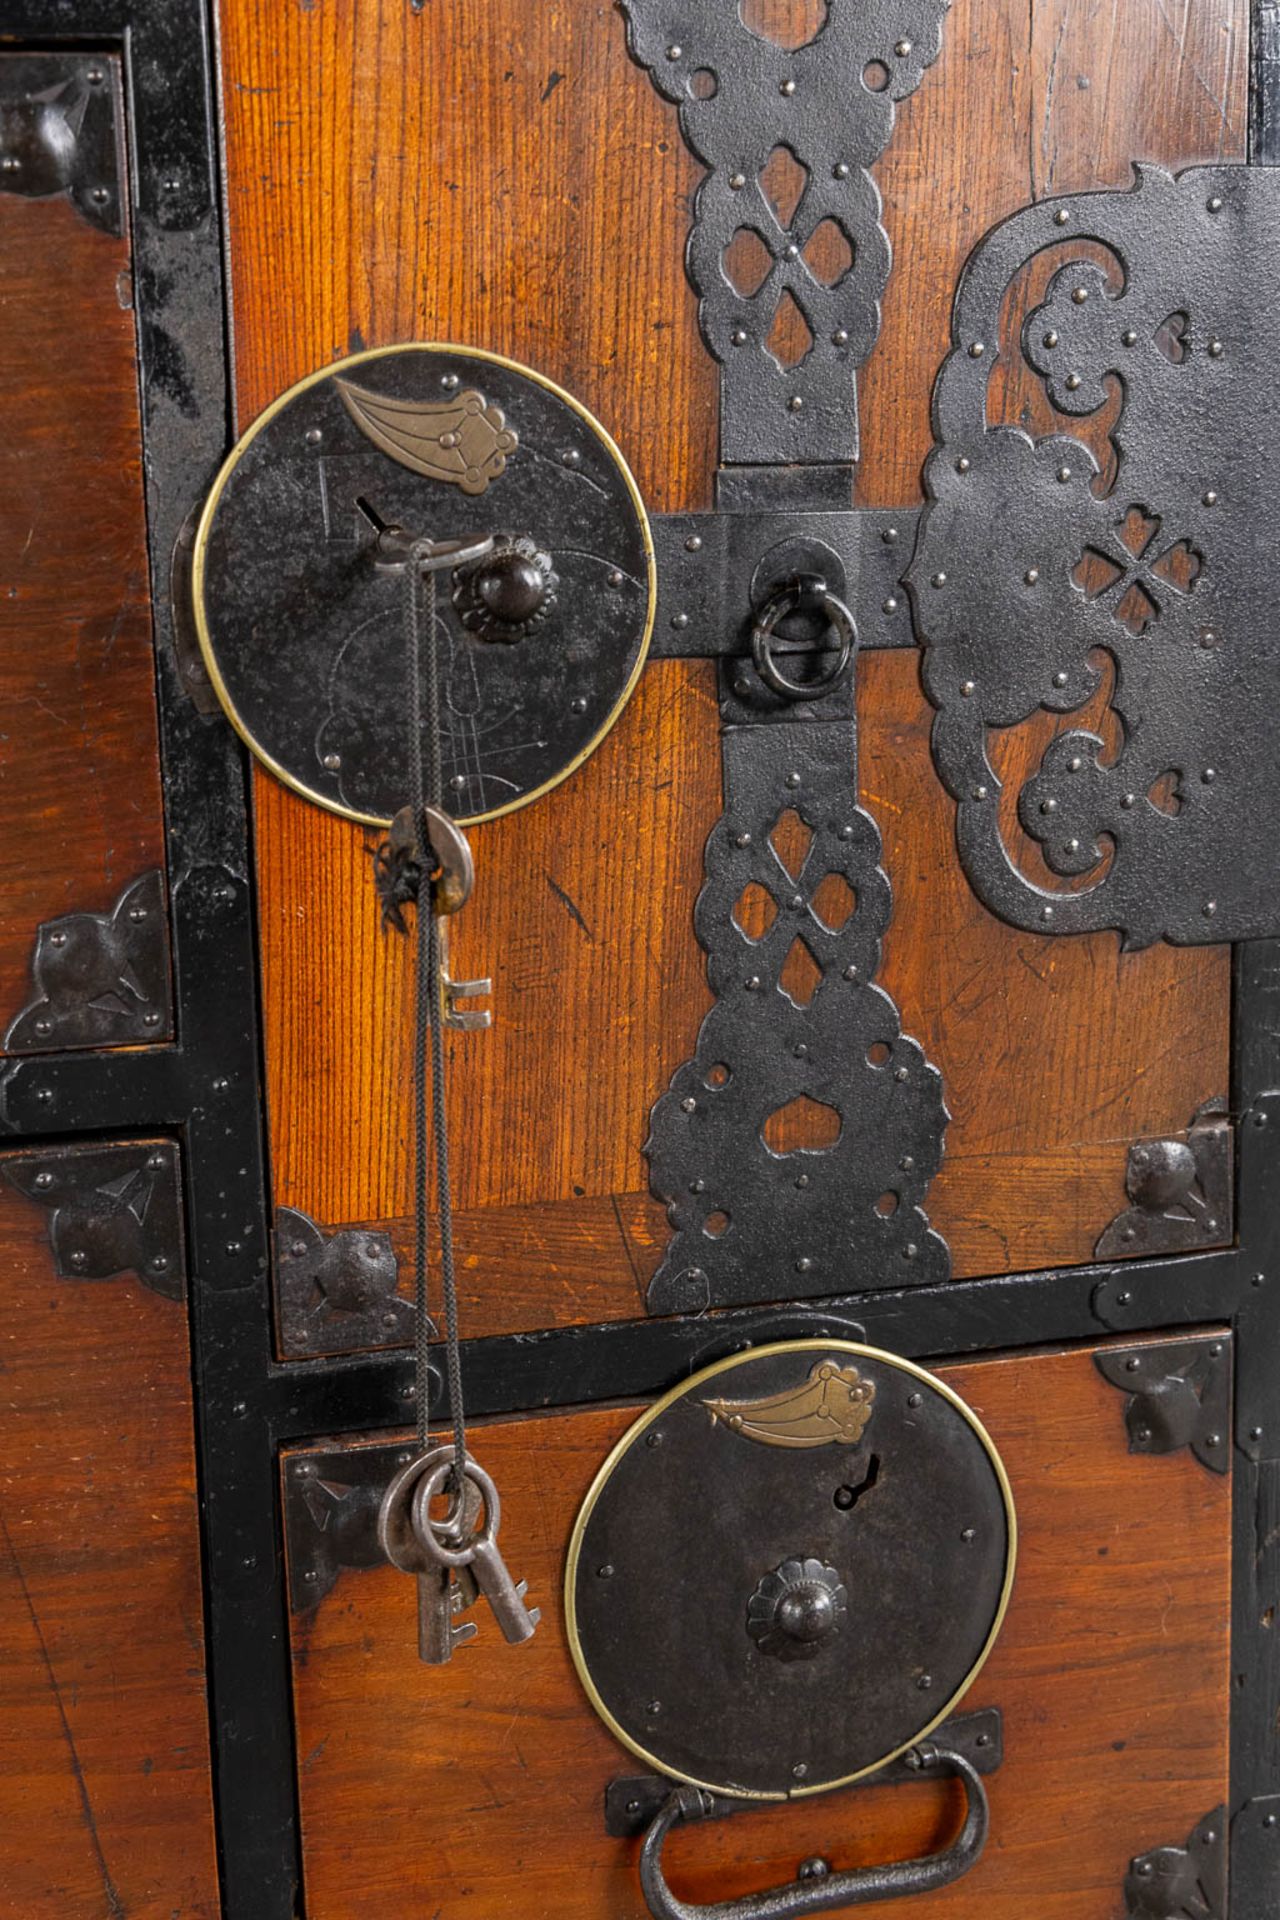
pixel 819 115
pixel 800 1045
pixel 1127 567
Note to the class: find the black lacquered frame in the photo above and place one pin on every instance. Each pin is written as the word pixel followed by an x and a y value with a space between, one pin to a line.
pixel 206 1090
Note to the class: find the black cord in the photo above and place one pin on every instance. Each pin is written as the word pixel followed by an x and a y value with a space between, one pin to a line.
pixel 427 789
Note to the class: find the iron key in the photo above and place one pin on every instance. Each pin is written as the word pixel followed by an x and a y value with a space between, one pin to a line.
pixel 506 1598
pixel 455 1530
pixel 440 1598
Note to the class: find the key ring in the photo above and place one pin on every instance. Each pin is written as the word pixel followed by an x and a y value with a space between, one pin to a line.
pixel 398 1539
pixel 424 1528
pixel 807 591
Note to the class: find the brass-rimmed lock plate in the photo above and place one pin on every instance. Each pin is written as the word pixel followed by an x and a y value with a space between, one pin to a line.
pixel 790 1569
pixel 299 590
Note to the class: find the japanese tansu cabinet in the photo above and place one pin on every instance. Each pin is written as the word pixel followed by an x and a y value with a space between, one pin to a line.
pixel 639 955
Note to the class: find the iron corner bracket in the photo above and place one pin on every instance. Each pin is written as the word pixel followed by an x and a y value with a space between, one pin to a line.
pixel 1182 1883
pixel 1181 1192
pixel 61 133
pixel 102 979
pixel 113 1210
pixel 331 1502
pixel 336 1292
pixel 1179 1396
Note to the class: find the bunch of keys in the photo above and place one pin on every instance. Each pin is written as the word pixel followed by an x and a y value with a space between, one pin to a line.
pixel 454 1559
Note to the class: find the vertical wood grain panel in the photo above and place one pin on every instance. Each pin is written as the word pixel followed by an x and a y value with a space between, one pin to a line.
pixel 581 916
pixel 486 171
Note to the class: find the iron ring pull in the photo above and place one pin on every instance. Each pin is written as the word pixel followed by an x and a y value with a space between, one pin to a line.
pixel 820 1894
pixel 807 591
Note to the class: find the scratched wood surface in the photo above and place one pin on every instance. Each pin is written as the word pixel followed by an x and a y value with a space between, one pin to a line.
pixel 1111 1672
pixel 105 1795
pixel 79 769
pixel 501 174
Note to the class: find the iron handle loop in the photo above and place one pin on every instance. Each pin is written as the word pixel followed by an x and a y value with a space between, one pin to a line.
pixel 806 592
pixel 854 1888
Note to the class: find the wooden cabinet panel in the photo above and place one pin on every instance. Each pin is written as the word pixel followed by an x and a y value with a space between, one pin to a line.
pixel 444 173
pixel 105 1791
pixel 79 768
pixel 477 1789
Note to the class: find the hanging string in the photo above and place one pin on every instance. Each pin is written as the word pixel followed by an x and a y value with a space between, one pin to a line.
pixel 430 1116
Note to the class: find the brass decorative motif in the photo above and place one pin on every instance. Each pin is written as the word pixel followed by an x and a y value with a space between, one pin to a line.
pixel 831 1408
pixel 463 441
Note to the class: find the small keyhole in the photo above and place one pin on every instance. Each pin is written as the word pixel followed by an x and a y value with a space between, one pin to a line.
pixel 847 1496
pixel 371 514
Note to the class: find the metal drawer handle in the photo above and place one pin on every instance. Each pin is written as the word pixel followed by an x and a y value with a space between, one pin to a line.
pixel 819 1893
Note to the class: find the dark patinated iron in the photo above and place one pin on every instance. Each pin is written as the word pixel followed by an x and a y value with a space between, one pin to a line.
pixel 799 1031
pixel 336 1292
pixel 102 979
pixel 818 1887
pixel 1126 574
pixel 188 659
pixel 631 1801
pixel 733 1493
pixel 509 594
pixel 768 583
pixel 113 1210
pixel 820 114
pixel 838 638
pixel 1182 1883
pixel 797 1608
pixel 61 132
pixel 300 610
pixel 331 1505
pixel 708 595
pixel 1179 1396
pixel 1180 1190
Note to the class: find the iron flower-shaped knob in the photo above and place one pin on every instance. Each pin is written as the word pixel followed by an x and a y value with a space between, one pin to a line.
pixel 508 592
pixel 796 1609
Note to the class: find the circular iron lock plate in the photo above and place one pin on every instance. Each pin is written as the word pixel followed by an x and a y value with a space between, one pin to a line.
pixel 300 605
pixel 790 1569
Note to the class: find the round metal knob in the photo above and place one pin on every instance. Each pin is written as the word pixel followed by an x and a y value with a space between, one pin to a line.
pixel 507 593
pixel 355 1271
pixel 1160 1172
pixel 512 587
pixel 808 1612
pixel 796 1609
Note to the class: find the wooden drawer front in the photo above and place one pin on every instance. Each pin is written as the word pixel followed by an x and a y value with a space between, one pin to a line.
pixel 533 235
pixel 477 1789
pixel 104 1747
pixel 80 827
